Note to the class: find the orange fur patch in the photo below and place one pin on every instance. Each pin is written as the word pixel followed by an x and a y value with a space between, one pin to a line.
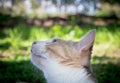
pixel 65 52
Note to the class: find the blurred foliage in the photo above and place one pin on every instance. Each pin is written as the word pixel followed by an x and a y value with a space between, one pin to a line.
pixel 108 8
pixel 21 34
pixel 111 1
pixel 34 4
pixel 64 1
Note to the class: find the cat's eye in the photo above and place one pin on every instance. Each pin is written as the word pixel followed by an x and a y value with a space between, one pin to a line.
pixel 54 40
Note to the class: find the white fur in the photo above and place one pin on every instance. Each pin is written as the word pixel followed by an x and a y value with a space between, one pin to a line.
pixel 57 73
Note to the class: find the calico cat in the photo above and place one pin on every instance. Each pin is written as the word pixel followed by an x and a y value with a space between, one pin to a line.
pixel 65 61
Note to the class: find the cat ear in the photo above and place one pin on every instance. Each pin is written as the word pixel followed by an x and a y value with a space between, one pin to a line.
pixel 87 41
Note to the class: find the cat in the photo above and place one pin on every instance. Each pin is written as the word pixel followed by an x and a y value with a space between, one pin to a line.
pixel 65 61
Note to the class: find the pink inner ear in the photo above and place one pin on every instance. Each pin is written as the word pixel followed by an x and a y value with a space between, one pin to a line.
pixel 87 41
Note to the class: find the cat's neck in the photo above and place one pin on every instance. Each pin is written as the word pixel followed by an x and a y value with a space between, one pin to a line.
pixel 67 75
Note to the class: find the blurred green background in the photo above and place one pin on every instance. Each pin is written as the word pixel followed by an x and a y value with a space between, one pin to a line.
pixel 19 28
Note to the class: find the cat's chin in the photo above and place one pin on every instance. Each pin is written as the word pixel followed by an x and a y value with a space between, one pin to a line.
pixel 36 60
pixel 38 56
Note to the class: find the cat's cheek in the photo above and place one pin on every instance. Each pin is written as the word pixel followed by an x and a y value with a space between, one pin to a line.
pixel 39 62
pixel 35 60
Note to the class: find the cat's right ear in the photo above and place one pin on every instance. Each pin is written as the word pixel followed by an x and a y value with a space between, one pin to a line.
pixel 84 47
pixel 87 41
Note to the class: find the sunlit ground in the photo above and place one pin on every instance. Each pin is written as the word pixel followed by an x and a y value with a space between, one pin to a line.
pixel 15 43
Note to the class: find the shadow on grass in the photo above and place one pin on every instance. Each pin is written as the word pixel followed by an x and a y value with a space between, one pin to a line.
pixel 5 46
pixel 106 70
pixel 24 71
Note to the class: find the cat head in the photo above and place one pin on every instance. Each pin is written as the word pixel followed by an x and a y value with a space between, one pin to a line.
pixel 55 52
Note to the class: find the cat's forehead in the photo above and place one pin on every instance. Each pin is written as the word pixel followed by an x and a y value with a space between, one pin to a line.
pixel 58 41
pixel 63 51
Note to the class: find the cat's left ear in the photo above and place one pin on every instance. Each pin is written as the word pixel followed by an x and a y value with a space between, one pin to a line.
pixel 87 41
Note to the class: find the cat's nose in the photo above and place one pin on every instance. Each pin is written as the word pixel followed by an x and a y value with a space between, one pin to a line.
pixel 35 42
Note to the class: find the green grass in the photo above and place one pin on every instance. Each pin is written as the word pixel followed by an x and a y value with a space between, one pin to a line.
pixel 15 43
pixel 23 71
pixel 24 36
